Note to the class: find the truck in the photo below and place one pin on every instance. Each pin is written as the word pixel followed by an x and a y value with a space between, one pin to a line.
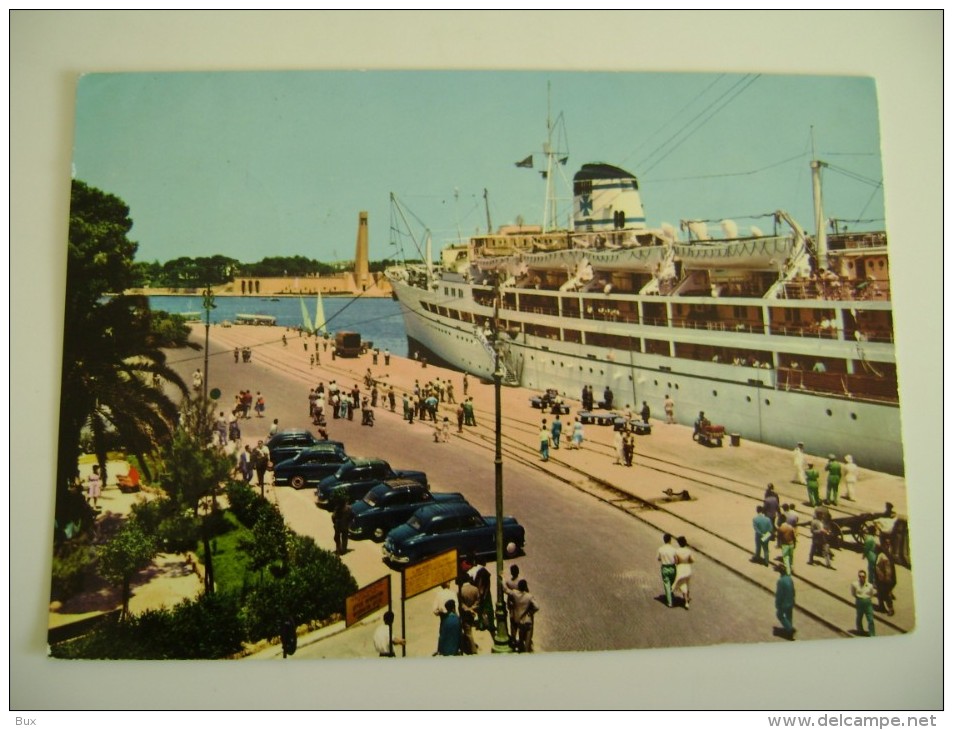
pixel 348 344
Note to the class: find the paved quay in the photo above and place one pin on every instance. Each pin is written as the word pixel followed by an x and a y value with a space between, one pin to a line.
pixel 725 485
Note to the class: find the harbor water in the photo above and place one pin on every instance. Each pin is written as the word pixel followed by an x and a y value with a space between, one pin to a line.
pixel 377 319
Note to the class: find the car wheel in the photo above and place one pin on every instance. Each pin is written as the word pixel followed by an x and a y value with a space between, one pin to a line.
pixel 379 534
pixel 298 481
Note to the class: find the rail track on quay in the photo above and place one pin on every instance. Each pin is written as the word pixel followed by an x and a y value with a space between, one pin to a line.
pixel 519 444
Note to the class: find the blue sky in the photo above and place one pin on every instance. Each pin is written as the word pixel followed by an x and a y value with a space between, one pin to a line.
pixel 280 163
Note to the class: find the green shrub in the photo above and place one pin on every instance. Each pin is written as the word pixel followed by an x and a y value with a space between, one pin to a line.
pixel 245 502
pixel 313 589
pixel 178 532
pixel 71 562
pixel 206 628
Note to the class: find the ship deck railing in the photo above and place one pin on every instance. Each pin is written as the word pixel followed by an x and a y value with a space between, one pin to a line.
pixel 859 386
pixel 871 290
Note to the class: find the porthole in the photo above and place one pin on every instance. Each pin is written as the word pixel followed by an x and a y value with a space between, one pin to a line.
pixel 767 402
pixel 829 412
pixel 715 393
pixel 656 383
pixel 748 398
pixel 853 416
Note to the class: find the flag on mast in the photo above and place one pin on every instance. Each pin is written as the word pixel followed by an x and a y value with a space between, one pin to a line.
pixel 528 162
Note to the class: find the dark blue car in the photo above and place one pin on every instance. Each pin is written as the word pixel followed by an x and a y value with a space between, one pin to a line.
pixel 441 527
pixel 391 503
pixel 311 465
pixel 356 477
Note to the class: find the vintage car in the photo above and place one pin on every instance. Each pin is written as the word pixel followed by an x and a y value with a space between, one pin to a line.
pixel 441 527
pixel 311 465
pixel 390 504
pixel 285 444
pixel 355 478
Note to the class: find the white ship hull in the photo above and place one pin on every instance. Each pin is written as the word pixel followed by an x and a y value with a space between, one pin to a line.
pixel 746 400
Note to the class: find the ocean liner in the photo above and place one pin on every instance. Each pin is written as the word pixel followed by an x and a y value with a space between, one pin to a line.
pixel 782 337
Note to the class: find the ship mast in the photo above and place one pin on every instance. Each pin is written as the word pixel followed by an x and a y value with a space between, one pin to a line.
pixel 820 228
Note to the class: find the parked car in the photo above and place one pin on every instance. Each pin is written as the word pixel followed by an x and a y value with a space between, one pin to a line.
pixel 355 479
pixel 391 503
pixel 311 465
pixel 285 444
pixel 440 527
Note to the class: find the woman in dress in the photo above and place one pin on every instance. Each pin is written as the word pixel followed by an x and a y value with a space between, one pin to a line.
pixel 94 486
pixel 683 570
pixel 577 434
pixel 849 472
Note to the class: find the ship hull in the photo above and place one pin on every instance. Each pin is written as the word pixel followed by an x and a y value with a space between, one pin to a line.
pixel 745 400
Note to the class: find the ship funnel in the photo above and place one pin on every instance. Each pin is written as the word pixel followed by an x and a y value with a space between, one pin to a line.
pixel 729 228
pixel 606 198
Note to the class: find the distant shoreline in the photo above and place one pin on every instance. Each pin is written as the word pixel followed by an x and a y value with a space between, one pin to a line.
pixel 165 292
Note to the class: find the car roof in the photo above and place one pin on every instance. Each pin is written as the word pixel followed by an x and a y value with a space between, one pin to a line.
pixel 365 461
pixel 292 432
pixel 324 446
pixel 445 509
pixel 401 483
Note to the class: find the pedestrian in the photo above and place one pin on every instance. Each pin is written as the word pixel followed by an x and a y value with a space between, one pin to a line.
pixel 450 396
pixel 443 595
pixel 221 428
pixel 798 458
pixel 820 539
pixel 460 415
pixel 683 570
pixel 259 405
pixel 437 432
pixel 885 577
pixel 94 486
pixel 645 413
pixel 273 429
pixel 387 357
pixel 197 380
pixel 863 593
pixel 772 506
pixel 468 416
pixel 849 473
pixel 312 360
pixel 833 470
pixel 525 608
pixel 619 452
pixel 287 632
pixel 448 643
pixel 262 461
pixel 511 584
pixel 392 399
pixel 341 521
pixel 787 540
pixel 236 354
pixel 763 528
pixel 384 636
pixel 784 603
pixel 628 447
pixel 469 596
pixel 246 464
pixel 375 355
pixel 669 409
pixel 445 430
pixel 466 384
pixel 870 549
pixel 812 479
pixel 234 432
pixel 556 430
pixel 607 398
pixel 544 441
pixel 577 435
pixel 667 557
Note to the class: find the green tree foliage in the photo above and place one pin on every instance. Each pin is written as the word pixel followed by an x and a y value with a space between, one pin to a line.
pixel 113 367
pixel 269 544
pixel 193 469
pixel 314 588
pixel 209 627
pixel 130 550
pixel 286 266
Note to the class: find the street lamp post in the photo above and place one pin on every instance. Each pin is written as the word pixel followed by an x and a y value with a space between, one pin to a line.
pixel 501 640
pixel 208 303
